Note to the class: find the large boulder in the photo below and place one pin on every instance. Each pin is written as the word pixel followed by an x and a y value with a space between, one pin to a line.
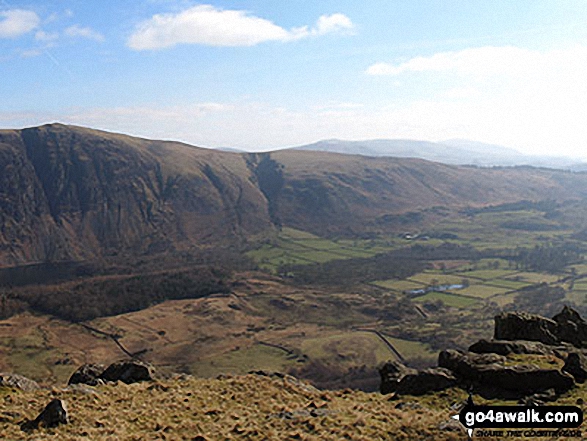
pixel 505 347
pixel 523 326
pixel 87 374
pixel 15 381
pixel 425 381
pixel 391 373
pixel 128 372
pixel 576 365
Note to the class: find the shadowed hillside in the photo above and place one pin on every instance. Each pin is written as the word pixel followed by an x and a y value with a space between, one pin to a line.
pixel 74 193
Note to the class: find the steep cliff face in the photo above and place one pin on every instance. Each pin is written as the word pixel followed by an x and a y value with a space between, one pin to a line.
pixel 73 193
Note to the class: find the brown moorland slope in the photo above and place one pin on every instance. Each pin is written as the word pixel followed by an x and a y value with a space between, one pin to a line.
pixel 328 192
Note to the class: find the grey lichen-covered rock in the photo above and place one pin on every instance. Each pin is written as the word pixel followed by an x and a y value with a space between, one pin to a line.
pixel 576 365
pixel 53 415
pixel 425 381
pixel 87 374
pixel 15 381
pixel 523 326
pixel 391 373
pixel 128 372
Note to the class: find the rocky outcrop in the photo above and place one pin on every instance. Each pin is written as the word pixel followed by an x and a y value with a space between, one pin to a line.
pixel 15 381
pixel 425 381
pixel 391 374
pixel 567 327
pixel 523 326
pixel 395 377
pixel 131 371
pixel 128 372
pixel 53 415
pixel 87 374
pixel 487 369
pixel 490 370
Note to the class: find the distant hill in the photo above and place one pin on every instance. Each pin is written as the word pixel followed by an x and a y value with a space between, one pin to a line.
pixel 72 193
pixel 455 151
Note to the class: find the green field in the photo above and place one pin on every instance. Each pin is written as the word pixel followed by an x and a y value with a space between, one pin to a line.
pixel 430 278
pixel 533 277
pixel 241 361
pixel 295 247
pixel 482 291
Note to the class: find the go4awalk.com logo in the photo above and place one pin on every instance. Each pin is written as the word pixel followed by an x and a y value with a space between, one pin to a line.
pixel 521 421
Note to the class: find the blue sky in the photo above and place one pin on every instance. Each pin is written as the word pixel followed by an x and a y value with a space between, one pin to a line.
pixel 275 73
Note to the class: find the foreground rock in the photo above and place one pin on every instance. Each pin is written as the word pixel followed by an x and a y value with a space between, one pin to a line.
pixel 489 370
pixel 391 374
pixel 53 415
pixel 15 381
pixel 130 371
pixel 395 377
pixel 87 374
pixel 576 365
pixel 485 368
pixel 425 381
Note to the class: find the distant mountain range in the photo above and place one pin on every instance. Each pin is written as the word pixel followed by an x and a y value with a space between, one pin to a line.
pixel 454 151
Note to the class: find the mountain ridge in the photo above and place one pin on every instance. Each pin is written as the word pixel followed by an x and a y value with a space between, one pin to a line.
pixel 73 193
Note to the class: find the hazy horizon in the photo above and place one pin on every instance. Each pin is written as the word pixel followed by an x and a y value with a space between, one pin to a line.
pixel 261 75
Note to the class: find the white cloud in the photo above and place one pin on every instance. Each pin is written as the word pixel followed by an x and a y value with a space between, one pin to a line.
pixel 333 23
pixel 84 32
pixel 17 22
pixel 210 26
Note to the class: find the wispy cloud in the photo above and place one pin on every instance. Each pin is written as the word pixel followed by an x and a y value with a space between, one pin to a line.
pixel 481 61
pixel 210 26
pixel 78 31
pixel 17 22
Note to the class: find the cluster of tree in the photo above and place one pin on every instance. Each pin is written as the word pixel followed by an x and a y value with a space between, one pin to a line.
pixel 530 225
pixel 395 264
pixel 353 271
pixel 540 299
pixel 545 206
pixel 98 297
pixel 550 258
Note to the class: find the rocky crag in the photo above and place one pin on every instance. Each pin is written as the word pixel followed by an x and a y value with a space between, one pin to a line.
pixel 531 358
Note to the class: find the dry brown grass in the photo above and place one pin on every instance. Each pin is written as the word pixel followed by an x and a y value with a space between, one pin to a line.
pixel 249 407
